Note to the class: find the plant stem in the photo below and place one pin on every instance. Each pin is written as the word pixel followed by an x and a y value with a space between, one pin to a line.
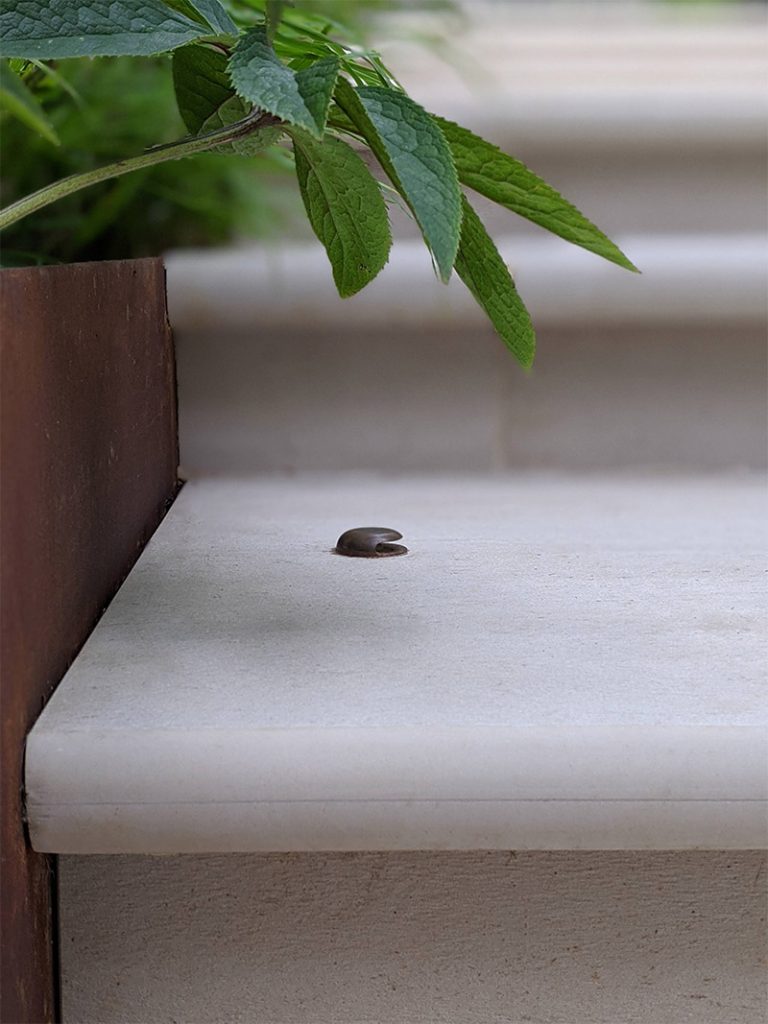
pixel 159 154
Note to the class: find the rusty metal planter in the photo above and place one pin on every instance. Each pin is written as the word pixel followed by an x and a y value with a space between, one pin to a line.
pixel 89 459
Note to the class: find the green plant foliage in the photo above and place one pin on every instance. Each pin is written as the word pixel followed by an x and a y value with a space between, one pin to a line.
pixel 274 12
pixel 16 98
pixel 209 12
pixel 244 78
pixel 260 77
pixel 198 202
pixel 484 272
pixel 508 182
pixel 316 84
pixel 102 28
pixel 413 152
pixel 207 100
pixel 201 83
pixel 345 208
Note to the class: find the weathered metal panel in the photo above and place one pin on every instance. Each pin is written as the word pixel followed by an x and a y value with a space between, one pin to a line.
pixel 89 459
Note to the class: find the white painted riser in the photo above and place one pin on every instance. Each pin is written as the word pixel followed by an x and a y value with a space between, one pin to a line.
pixel 415 938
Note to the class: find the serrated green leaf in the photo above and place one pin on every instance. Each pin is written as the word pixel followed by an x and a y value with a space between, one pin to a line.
pixel 201 83
pixel 260 77
pixel 505 180
pixel 207 101
pixel 102 28
pixel 345 208
pixel 484 272
pixel 217 16
pixel 16 98
pixel 338 119
pixel 316 84
pixel 213 13
pixel 416 157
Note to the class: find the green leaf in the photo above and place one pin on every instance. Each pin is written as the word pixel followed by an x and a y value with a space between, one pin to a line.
pixel 316 84
pixel 274 12
pixel 259 76
pixel 234 110
pixel 416 157
pixel 345 208
pixel 56 78
pixel 484 272
pixel 16 98
pixel 338 119
pixel 507 181
pixel 201 83
pixel 207 101
pixel 102 28
pixel 211 12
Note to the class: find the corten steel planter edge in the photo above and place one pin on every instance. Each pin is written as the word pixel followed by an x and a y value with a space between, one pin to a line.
pixel 89 450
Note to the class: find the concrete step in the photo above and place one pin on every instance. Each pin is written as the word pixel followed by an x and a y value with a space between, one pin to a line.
pixel 555 664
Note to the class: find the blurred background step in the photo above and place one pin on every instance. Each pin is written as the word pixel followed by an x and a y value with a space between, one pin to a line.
pixel 665 370
pixel 651 119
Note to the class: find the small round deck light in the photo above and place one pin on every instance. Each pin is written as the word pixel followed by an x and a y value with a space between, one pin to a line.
pixel 370 542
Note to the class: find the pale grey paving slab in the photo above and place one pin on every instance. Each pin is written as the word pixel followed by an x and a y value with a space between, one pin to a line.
pixel 546 639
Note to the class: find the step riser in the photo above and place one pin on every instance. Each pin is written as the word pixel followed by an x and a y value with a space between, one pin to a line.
pixel 443 399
